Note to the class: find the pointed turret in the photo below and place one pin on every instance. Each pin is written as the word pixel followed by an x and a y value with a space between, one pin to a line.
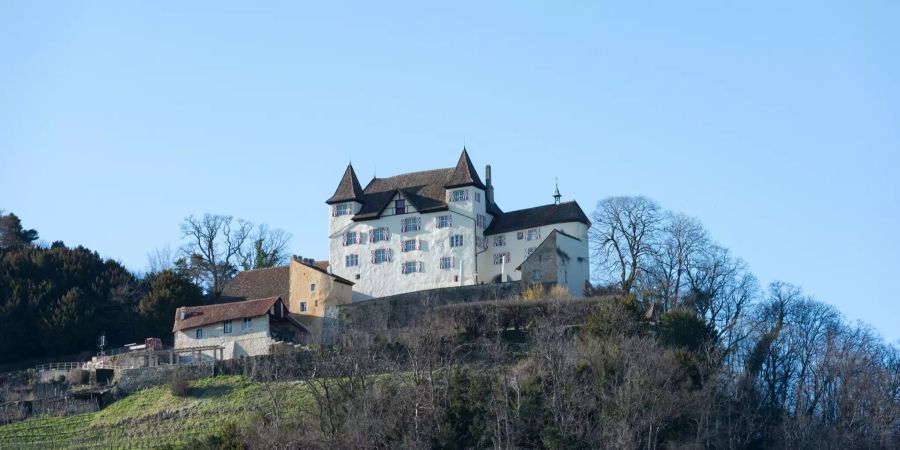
pixel 348 189
pixel 465 174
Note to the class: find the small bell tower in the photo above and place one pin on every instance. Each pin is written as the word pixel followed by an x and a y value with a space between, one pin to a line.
pixel 556 195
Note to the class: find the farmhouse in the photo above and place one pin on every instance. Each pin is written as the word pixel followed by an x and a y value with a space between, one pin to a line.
pixel 443 228
pixel 232 330
pixel 307 285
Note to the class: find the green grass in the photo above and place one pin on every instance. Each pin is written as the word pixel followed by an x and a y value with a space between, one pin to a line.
pixel 154 417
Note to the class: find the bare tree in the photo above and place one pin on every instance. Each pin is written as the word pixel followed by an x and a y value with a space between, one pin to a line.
pixel 721 291
pixel 682 239
pixel 267 247
pixel 621 237
pixel 161 259
pixel 213 244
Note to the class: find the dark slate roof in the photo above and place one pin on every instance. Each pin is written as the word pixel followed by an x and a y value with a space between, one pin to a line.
pixel 424 190
pixel 464 174
pixel 259 283
pixel 348 189
pixel 537 217
pixel 198 316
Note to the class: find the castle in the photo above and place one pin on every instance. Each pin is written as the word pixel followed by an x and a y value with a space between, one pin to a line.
pixel 443 228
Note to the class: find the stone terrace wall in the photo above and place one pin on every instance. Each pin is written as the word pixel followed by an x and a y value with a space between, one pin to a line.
pixel 379 316
pixel 131 380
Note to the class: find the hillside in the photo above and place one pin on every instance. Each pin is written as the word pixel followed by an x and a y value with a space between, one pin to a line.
pixel 154 418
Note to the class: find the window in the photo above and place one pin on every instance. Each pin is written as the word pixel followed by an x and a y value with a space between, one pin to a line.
pixel 480 242
pixel 247 324
pixel 199 333
pixel 312 287
pixel 227 326
pixel 380 234
pixel 536 275
pixel 520 235
pixel 410 245
pixel 500 258
pixel 533 234
pixel 529 251
pixel 412 267
pixel 302 306
pixel 343 209
pixel 351 238
pixel 460 195
pixel 477 196
pixel 456 240
pixel 442 221
pixel 499 241
pixel 400 206
pixel 357 276
pixel 351 260
pixel 481 221
pixel 381 255
pixel 447 262
pixel 411 224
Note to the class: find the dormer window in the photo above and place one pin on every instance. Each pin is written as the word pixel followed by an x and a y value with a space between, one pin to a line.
pixel 400 206
pixel 459 195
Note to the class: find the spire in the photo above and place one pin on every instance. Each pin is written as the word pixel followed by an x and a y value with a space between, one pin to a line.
pixel 556 195
pixel 465 173
pixel 348 189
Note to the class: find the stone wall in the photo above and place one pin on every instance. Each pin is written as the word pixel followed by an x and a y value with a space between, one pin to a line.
pixel 382 315
pixel 131 380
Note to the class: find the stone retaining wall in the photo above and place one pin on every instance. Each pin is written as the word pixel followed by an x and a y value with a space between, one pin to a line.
pixel 379 316
pixel 131 380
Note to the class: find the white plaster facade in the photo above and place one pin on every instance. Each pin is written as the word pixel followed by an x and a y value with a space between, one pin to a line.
pixel 388 278
pixel 473 262
pixel 240 342
pixel 519 249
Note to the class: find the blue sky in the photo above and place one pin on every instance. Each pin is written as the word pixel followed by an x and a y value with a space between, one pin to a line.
pixel 775 124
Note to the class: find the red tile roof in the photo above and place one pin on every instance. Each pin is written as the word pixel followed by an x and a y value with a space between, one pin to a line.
pixel 199 316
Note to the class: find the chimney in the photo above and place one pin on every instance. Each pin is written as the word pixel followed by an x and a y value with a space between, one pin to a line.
pixel 489 194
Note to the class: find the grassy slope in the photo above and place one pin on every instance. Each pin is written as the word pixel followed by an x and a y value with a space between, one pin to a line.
pixel 154 417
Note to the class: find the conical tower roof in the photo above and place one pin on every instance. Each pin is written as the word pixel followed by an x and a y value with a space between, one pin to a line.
pixel 464 174
pixel 348 189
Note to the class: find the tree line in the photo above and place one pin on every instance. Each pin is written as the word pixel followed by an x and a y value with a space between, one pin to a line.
pixel 57 300
pixel 589 373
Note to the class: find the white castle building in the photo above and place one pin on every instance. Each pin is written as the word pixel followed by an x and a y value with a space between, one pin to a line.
pixel 442 228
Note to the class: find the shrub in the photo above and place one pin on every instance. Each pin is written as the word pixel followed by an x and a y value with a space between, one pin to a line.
pixel 534 292
pixel 558 292
pixel 178 382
